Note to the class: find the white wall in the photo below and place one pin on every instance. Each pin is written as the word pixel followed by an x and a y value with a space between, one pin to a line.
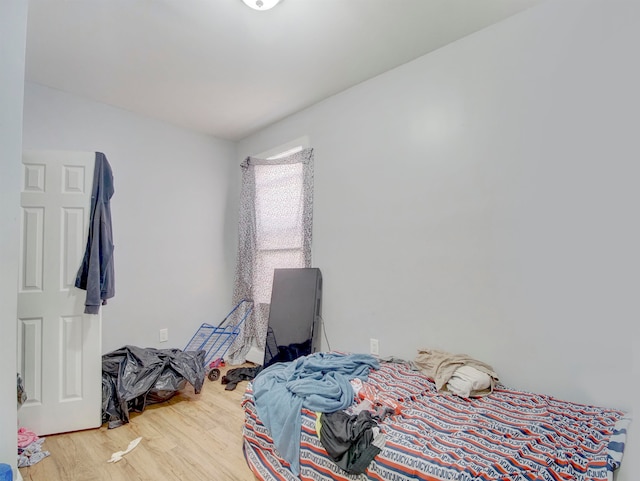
pixel 13 34
pixel 484 199
pixel 174 245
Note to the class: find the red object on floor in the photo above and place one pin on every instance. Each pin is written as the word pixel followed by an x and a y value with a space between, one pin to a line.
pixel 216 363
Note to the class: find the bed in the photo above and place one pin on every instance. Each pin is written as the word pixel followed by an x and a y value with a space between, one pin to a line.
pixel 506 435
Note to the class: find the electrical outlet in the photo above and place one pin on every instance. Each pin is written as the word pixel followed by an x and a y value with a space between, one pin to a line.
pixel 164 335
pixel 374 346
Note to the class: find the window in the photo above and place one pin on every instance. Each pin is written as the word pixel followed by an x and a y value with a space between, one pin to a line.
pixel 279 224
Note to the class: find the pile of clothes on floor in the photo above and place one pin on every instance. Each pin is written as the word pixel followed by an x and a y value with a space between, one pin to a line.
pixel 29 445
pixel 30 448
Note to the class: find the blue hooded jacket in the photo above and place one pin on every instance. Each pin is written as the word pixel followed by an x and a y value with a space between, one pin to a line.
pixel 96 274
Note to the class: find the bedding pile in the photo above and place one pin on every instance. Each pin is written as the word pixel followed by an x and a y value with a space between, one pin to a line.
pixel 319 382
pixel 458 373
pixel 507 435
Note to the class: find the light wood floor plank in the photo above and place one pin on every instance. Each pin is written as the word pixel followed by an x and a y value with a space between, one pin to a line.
pixel 190 437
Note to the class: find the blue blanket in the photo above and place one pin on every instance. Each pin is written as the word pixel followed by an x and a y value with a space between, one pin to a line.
pixel 318 382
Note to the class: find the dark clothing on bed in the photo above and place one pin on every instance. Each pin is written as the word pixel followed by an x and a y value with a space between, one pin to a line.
pixel 349 439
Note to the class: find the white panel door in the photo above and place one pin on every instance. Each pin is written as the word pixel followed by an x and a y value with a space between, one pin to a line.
pixel 59 347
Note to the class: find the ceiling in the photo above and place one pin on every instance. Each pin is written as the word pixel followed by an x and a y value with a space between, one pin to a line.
pixel 219 67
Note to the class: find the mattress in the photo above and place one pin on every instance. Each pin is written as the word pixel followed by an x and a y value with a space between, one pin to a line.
pixel 508 435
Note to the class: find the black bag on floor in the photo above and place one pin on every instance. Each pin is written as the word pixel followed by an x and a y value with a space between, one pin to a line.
pixel 133 377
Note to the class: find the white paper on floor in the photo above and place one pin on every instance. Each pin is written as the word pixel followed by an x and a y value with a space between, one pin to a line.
pixel 115 457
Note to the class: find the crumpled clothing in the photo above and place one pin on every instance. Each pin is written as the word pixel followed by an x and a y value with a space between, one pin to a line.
pixel 26 437
pixel 234 376
pixel 349 439
pixel 32 454
pixel 22 395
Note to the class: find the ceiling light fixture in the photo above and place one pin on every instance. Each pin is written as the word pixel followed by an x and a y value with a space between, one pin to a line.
pixel 261 4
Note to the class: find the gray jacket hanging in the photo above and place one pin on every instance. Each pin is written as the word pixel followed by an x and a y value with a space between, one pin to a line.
pixel 96 274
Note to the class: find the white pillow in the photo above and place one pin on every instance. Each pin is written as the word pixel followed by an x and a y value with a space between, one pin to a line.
pixel 466 379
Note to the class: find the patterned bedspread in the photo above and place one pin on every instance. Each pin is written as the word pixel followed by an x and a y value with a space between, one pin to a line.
pixel 507 436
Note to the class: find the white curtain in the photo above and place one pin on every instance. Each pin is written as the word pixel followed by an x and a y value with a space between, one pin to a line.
pixel 274 231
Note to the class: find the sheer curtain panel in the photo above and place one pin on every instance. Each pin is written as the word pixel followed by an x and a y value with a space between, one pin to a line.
pixel 275 226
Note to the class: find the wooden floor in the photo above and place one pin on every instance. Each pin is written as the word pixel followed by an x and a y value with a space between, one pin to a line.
pixel 190 437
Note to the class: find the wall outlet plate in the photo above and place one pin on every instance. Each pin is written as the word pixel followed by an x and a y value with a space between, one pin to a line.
pixel 164 335
pixel 374 346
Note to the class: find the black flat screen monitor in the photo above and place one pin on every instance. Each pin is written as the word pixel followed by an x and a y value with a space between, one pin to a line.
pixel 294 314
